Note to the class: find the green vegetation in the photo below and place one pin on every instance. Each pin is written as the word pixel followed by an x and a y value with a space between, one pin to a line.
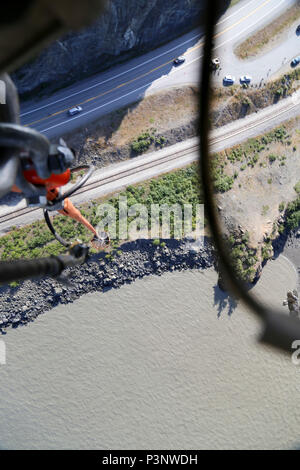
pixel 179 187
pixel 35 240
pixel 279 91
pixel 157 242
pixel 297 187
pixel 267 251
pixel 223 183
pixel 293 214
pixel 246 101
pixel 265 210
pixel 248 154
pixel 243 257
pixel 145 140
pixel 142 143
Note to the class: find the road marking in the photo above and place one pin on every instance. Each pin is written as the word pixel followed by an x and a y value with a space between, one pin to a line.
pixel 237 11
pixel 131 69
pixel 141 76
pixel 225 42
pixel 243 19
pixel 111 78
pixel 148 84
pixel 98 107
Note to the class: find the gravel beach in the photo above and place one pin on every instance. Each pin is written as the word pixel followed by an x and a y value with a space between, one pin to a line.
pixel 22 304
pixel 289 246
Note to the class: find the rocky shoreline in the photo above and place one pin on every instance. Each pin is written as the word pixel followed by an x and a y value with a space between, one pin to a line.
pixel 22 304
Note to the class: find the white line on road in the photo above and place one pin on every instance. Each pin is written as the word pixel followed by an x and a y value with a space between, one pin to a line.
pixel 98 107
pixel 129 70
pixel 228 40
pixel 149 84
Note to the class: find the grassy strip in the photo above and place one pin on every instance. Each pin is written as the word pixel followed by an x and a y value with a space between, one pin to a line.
pixel 262 38
pixel 227 165
pixel 35 240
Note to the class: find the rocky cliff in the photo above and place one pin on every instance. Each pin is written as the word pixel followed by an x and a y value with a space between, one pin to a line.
pixel 126 29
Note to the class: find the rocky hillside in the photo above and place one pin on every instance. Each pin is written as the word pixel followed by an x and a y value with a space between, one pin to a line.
pixel 126 29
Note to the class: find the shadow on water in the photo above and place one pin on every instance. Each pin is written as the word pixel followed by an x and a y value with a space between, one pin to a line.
pixel 224 302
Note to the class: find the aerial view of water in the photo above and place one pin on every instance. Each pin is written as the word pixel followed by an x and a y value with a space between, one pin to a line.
pixel 167 362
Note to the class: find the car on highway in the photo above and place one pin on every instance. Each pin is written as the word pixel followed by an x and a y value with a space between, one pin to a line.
pixel 75 110
pixel 295 61
pixel 228 80
pixel 245 79
pixel 179 60
pixel 298 30
pixel 215 63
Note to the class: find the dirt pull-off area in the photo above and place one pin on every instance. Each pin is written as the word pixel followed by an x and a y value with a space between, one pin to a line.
pixel 270 36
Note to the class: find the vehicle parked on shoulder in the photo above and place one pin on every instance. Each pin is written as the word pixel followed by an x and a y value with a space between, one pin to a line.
pixel 179 60
pixel 215 63
pixel 295 61
pixel 228 80
pixel 75 110
pixel 245 79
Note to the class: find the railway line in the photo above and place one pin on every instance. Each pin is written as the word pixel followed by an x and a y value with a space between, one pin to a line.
pixel 140 164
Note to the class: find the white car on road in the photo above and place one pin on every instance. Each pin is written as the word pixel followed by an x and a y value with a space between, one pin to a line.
pixel 75 110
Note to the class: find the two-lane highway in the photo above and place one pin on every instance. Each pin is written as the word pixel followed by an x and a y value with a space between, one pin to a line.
pixel 155 70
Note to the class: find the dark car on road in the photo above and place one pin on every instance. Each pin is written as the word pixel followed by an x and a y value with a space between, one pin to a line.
pixel 298 30
pixel 179 60
pixel 295 61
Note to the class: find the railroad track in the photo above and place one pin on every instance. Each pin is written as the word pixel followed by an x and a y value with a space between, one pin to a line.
pixel 142 166
pixel 109 179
